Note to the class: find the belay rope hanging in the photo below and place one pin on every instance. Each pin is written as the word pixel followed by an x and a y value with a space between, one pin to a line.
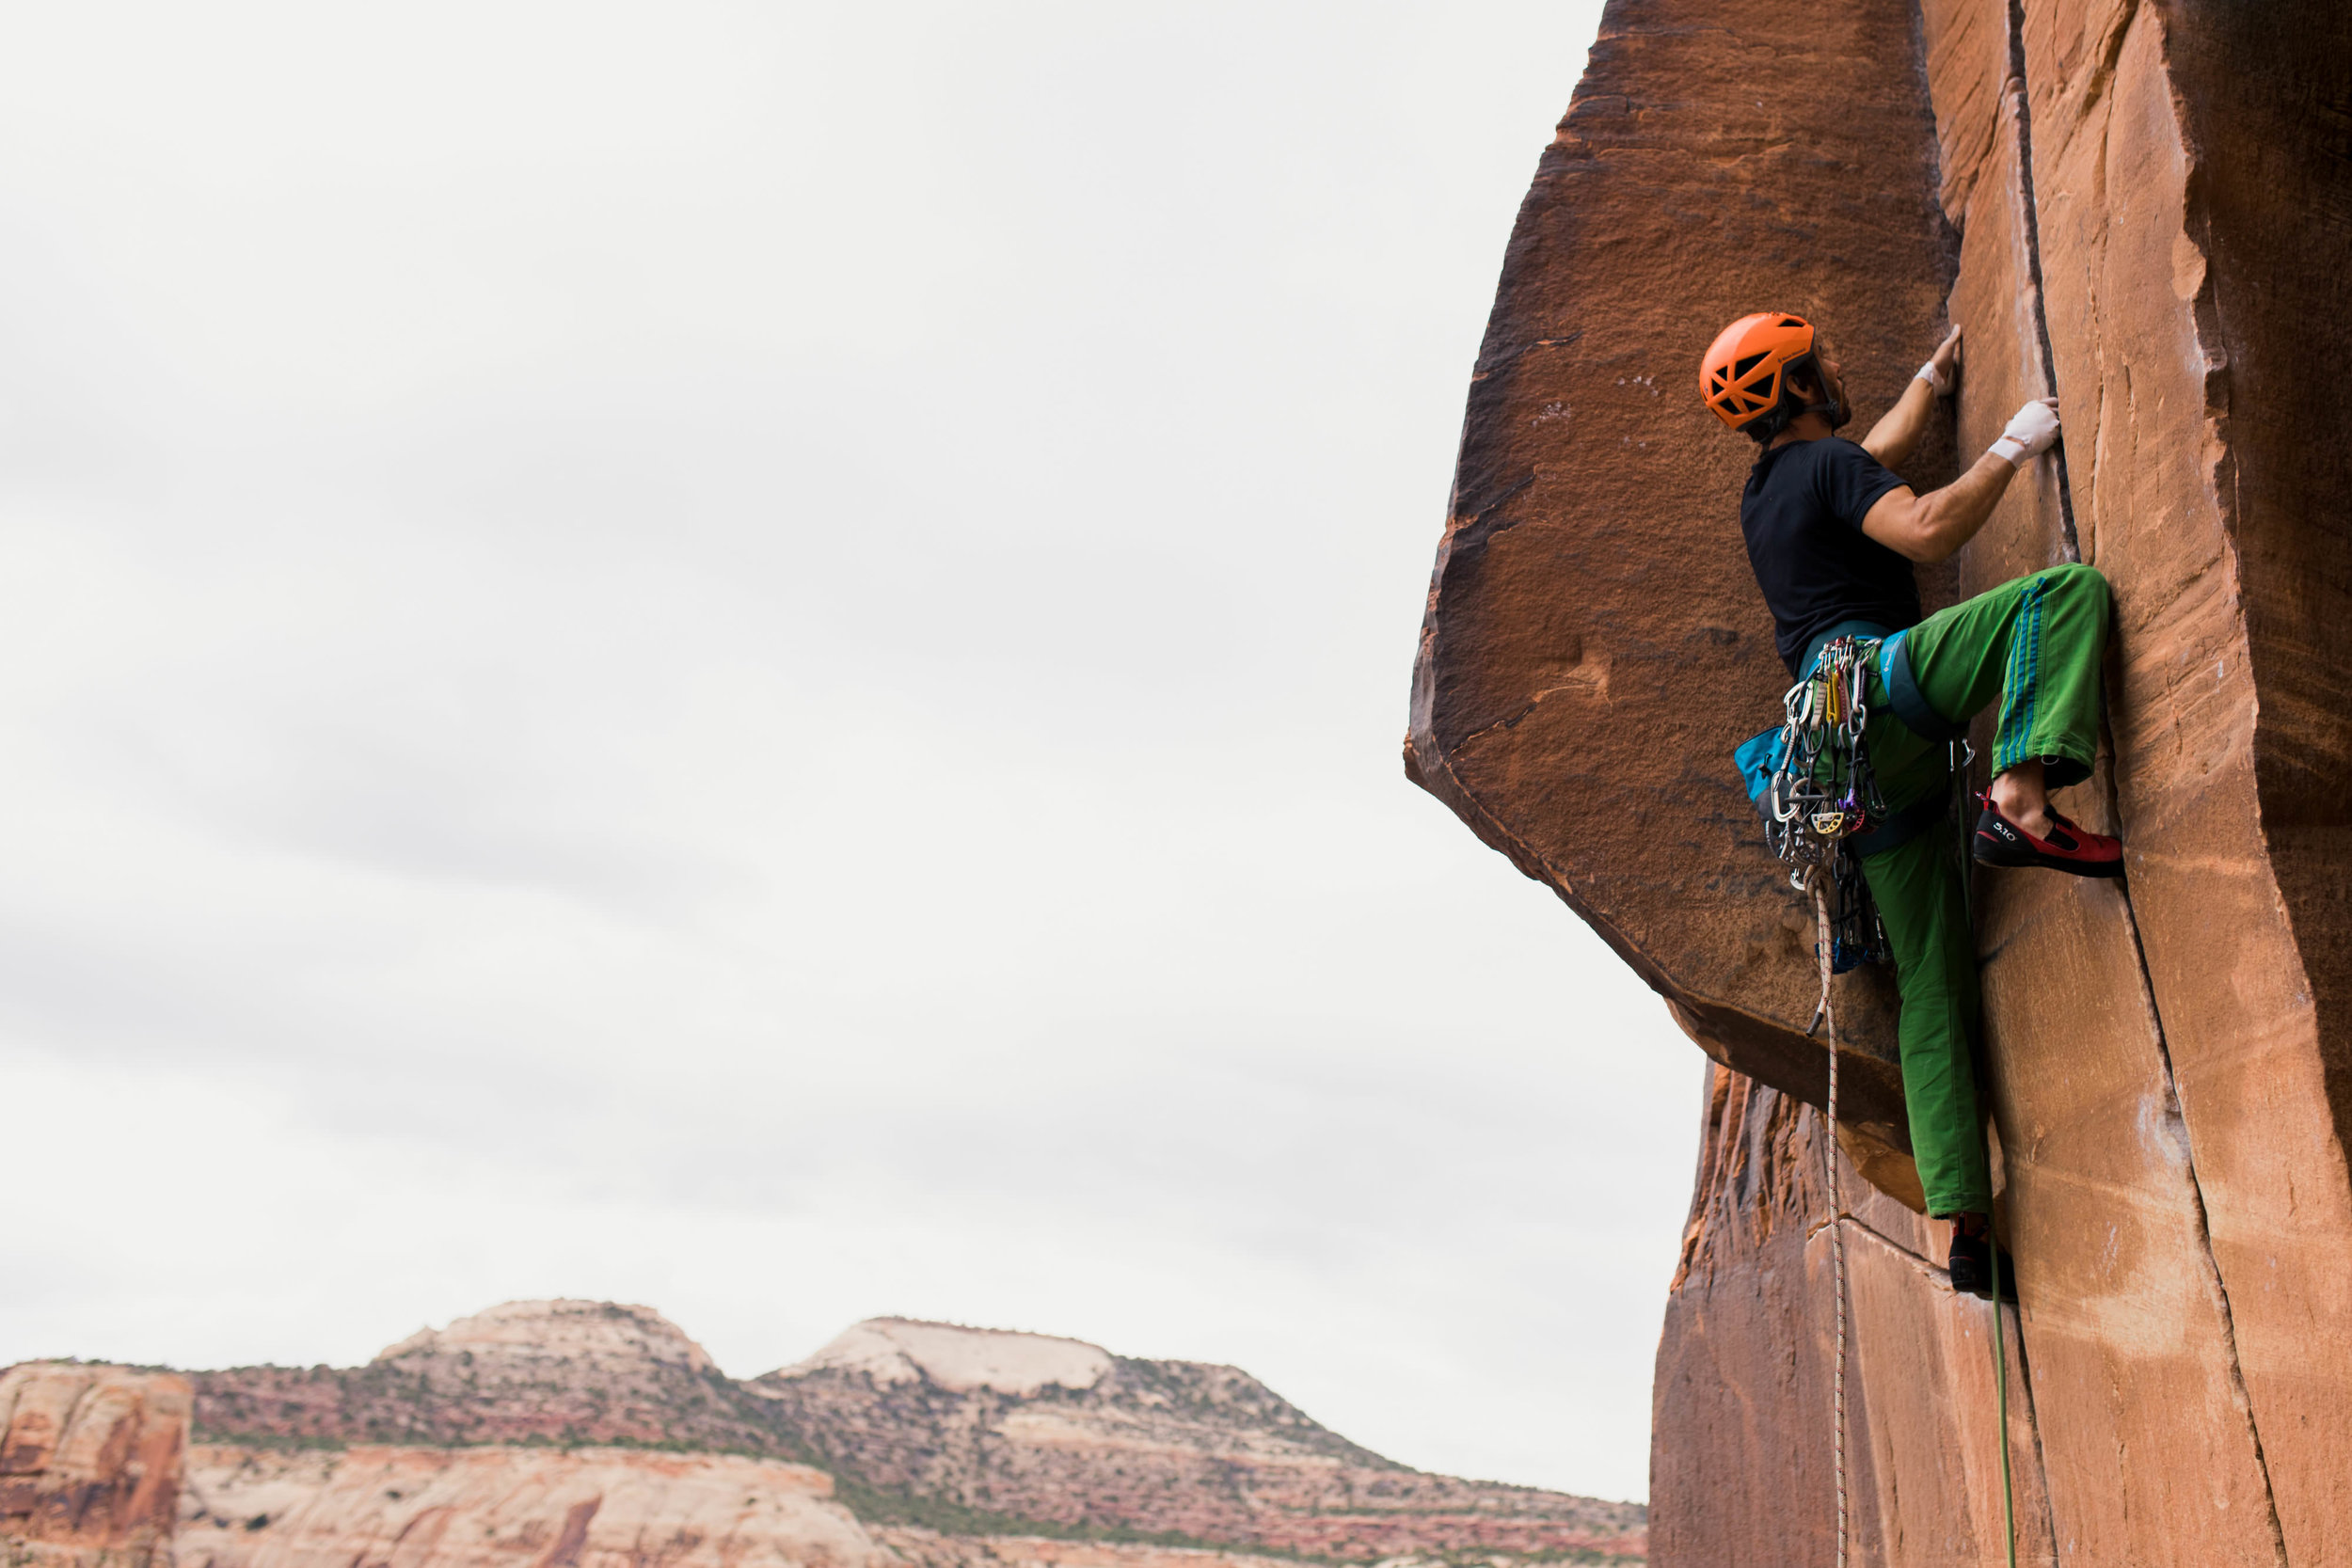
pixel 1836 1209
pixel 1819 795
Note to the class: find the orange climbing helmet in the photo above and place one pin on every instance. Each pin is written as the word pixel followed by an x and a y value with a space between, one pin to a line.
pixel 1744 375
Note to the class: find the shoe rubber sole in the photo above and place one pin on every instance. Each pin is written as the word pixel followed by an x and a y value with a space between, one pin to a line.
pixel 1970 1269
pixel 1983 1289
pixel 2000 842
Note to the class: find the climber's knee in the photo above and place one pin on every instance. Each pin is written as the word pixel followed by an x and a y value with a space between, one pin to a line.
pixel 2076 580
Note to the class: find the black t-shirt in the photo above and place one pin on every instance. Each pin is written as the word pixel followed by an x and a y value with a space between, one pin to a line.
pixel 1802 514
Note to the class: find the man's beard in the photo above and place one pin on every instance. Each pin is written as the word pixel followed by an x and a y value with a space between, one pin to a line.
pixel 1835 408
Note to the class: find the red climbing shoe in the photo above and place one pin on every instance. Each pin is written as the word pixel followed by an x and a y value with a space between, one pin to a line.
pixel 2001 842
pixel 1971 1268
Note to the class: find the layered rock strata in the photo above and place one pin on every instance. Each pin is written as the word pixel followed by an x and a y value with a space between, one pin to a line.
pixel 545 1422
pixel 926 1549
pixel 90 1462
pixel 989 1430
pixel 486 1507
pixel 2152 204
pixel 501 1506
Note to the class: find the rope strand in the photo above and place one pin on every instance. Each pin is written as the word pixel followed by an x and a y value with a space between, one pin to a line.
pixel 1837 1212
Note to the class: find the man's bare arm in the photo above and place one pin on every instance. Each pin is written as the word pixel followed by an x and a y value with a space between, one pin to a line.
pixel 1928 528
pixel 1893 439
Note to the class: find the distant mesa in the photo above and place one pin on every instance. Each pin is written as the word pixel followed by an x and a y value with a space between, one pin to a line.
pixel 559 1330
pixel 565 1434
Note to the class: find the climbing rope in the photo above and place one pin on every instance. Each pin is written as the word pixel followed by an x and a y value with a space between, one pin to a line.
pixel 1838 1275
pixel 1838 1219
pixel 1821 793
pixel 1806 826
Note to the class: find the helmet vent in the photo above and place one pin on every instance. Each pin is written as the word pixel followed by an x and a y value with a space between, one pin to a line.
pixel 1739 370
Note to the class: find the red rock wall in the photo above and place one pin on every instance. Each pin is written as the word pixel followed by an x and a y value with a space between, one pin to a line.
pixel 2153 206
pixel 2173 213
pixel 91 1464
pixel 1592 649
pixel 2134 1339
pixel 1745 1382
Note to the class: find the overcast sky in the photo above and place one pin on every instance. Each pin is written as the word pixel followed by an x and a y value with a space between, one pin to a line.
pixel 750 657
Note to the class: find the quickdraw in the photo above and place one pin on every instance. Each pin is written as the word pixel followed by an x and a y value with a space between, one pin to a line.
pixel 1822 793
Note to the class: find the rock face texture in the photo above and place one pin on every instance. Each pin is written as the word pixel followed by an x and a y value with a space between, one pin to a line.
pixel 1742 1468
pixel 2142 209
pixel 559 1433
pixel 90 1460
pixel 1593 647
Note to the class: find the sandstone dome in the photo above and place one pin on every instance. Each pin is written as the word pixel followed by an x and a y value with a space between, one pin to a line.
pixel 595 1332
pixel 960 1359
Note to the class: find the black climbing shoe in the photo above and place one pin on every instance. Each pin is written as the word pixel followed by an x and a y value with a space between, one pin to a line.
pixel 2001 842
pixel 1972 1269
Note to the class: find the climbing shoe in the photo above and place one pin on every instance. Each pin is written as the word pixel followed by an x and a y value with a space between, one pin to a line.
pixel 2001 842
pixel 1971 1266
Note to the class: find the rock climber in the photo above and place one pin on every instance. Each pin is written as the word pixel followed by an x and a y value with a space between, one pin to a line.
pixel 1831 534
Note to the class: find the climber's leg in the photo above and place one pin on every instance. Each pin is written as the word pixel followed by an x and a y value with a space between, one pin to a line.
pixel 1925 908
pixel 1921 894
pixel 2036 644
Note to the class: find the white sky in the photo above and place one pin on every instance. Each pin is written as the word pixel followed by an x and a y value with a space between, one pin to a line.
pixel 750 657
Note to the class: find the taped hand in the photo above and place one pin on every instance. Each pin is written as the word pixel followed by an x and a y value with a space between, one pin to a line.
pixel 2032 431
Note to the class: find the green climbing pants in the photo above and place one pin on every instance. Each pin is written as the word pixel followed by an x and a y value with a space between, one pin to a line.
pixel 2034 644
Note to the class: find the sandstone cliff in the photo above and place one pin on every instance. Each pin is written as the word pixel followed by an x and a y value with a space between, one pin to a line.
pixel 529 1508
pixel 90 1460
pixel 249 1507
pixel 2143 208
pixel 1743 1392
pixel 552 1432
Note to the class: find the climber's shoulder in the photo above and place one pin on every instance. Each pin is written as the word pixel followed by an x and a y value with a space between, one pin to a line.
pixel 1804 482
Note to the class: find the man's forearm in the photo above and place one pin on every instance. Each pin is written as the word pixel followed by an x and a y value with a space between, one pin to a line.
pixel 1953 514
pixel 1893 439
pixel 1929 528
